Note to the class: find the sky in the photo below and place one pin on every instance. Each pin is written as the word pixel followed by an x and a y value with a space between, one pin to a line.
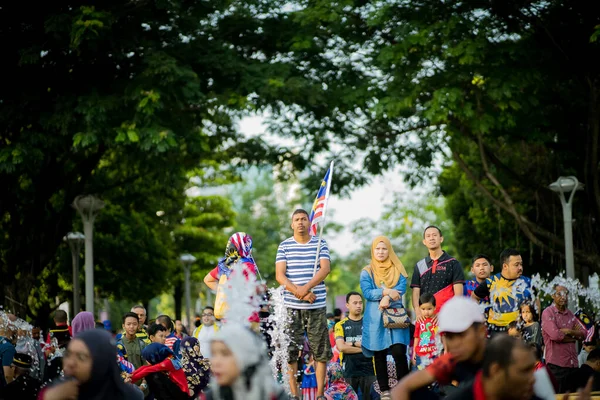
pixel 365 202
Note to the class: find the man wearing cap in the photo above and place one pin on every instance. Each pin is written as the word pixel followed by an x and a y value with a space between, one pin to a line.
pixel 461 322
pixel 23 387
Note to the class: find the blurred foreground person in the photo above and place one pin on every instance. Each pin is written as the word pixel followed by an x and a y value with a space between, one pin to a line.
pixel 240 367
pixel 91 372
pixel 507 372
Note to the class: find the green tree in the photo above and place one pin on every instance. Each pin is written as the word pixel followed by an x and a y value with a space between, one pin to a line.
pixel 263 207
pixel 505 94
pixel 113 96
pixel 202 232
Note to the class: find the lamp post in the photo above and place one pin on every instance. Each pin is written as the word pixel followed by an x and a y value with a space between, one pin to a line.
pixel 187 260
pixel 75 240
pixel 569 185
pixel 88 206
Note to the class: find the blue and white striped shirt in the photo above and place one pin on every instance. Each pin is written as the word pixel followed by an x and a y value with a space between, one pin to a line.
pixel 300 261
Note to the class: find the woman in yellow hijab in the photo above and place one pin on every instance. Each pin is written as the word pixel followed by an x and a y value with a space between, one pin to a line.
pixel 383 282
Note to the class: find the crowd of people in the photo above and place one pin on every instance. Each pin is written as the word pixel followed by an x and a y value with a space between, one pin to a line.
pixel 463 339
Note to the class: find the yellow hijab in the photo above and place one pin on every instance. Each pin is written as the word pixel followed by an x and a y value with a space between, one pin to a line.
pixel 387 272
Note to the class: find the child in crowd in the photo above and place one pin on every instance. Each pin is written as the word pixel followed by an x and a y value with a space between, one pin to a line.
pixel 513 330
pixel 585 351
pixel 530 327
pixel 424 348
pixel 309 379
pixel 338 388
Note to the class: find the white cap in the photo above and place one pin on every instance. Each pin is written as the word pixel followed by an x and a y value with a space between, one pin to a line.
pixel 458 314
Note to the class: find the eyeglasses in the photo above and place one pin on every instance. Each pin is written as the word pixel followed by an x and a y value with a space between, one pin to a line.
pixel 562 293
pixel 208 315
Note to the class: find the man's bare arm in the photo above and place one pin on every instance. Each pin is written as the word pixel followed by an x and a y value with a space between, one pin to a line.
pixel 280 269
pixel 410 383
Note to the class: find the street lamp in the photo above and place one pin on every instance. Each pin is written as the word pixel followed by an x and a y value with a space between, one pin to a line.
pixel 187 260
pixel 75 240
pixel 88 206
pixel 567 184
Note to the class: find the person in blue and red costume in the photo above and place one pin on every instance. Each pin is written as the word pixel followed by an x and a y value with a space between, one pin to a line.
pixel 239 249
pixel 165 375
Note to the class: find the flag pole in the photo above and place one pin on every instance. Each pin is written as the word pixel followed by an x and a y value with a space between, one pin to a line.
pixel 324 216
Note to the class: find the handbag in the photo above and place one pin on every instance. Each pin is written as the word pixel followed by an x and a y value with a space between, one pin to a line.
pixel 393 317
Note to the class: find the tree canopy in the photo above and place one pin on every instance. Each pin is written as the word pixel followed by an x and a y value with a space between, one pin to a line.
pixel 131 96
pixel 502 96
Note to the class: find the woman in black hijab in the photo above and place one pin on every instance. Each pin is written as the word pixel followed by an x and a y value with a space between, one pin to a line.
pixel 91 371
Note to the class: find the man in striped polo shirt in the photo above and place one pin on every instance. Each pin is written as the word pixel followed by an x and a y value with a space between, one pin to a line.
pixel 305 297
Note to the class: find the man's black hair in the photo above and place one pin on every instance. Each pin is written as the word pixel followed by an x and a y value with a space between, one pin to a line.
pixel 478 256
pixel 432 226
pixel 499 351
pixel 348 298
pixel 131 315
pixel 299 211
pixel 60 316
pixel 507 254
pixel 211 308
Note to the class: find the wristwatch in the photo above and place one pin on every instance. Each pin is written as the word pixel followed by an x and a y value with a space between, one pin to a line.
pixel 354 343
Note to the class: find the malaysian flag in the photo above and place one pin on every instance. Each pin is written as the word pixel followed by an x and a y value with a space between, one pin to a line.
pixel 587 325
pixel 318 210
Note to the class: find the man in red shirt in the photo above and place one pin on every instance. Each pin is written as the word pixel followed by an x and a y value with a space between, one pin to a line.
pixel 438 274
pixel 561 331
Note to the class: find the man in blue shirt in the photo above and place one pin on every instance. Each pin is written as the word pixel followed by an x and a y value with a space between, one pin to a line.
pixel 305 297
pixel 481 268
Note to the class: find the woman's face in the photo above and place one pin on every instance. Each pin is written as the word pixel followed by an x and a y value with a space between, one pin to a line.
pixel 223 364
pixel 381 252
pixel 77 361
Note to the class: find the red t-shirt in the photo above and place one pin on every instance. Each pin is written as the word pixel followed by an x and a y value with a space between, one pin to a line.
pixel 425 333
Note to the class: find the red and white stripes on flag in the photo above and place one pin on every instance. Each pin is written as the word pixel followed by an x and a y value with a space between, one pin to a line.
pixel 317 214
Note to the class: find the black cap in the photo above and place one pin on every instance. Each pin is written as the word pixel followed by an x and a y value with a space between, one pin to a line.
pixel 22 360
